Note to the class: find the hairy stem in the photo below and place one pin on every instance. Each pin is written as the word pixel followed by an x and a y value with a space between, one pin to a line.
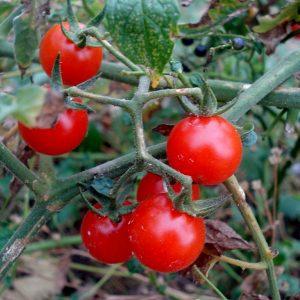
pixel 17 168
pixel 200 276
pixel 266 255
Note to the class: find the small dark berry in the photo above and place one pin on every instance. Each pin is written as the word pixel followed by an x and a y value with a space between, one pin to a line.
pixel 200 50
pixel 187 42
pixel 185 68
pixel 238 43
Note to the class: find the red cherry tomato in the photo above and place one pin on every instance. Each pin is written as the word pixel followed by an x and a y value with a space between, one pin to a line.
pixel 66 134
pixel 295 27
pixel 163 238
pixel 105 240
pixel 152 184
pixel 207 148
pixel 77 64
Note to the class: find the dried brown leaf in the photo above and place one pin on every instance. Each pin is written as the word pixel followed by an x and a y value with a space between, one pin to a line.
pixel 53 105
pixel 253 296
pixel 163 129
pixel 272 38
pixel 220 237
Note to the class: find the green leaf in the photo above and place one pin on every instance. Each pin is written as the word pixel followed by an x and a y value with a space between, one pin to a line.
pixel 8 105
pixel 72 20
pixel 223 8
pixel 103 185
pixel 142 29
pixel 26 39
pixel 288 13
pixel 7 23
pixel 98 19
pixel 30 100
pixel 205 207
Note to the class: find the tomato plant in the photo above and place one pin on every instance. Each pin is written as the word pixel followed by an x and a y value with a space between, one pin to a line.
pixel 105 240
pixel 206 63
pixel 210 149
pixel 152 184
pixel 77 64
pixel 64 136
pixel 163 238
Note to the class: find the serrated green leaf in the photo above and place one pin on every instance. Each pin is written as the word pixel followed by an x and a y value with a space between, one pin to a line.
pixel 142 29
pixel 30 100
pixel 288 13
pixel 26 39
pixel 205 207
pixel 96 21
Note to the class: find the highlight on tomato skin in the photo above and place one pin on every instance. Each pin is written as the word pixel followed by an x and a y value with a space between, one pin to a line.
pixel 164 239
pixel 106 241
pixel 66 134
pixel 210 149
pixel 153 184
pixel 77 64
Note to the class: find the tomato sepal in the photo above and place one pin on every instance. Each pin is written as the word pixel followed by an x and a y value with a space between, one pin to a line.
pixel 205 207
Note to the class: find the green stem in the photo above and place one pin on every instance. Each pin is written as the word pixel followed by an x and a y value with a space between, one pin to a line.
pixel 193 92
pixel 17 168
pixel 38 216
pixel 53 244
pixel 266 255
pixel 264 85
pixel 200 276
pixel 91 292
pixel 93 32
pixel 76 92
pixel 224 90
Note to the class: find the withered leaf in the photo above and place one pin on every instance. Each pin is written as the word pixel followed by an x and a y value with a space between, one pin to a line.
pixel 24 153
pixel 272 38
pixel 253 296
pixel 163 129
pixel 53 105
pixel 220 237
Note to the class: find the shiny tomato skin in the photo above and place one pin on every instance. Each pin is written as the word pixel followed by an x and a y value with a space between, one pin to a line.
pixel 207 148
pixel 295 27
pixel 66 134
pixel 163 238
pixel 152 184
pixel 105 240
pixel 77 64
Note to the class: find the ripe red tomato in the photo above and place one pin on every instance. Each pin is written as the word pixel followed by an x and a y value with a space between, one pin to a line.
pixel 105 240
pixel 152 184
pixel 207 148
pixel 66 134
pixel 295 27
pixel 77 64
pixel 163 238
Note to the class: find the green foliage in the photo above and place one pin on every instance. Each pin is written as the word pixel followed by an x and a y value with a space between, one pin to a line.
pixel 25 39
pixel 225 7
pixel 24 106
pixel 142 30
pixel 288 13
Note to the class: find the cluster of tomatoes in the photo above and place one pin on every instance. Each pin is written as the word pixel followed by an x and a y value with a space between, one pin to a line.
pixel 209 149
pixel 77 65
